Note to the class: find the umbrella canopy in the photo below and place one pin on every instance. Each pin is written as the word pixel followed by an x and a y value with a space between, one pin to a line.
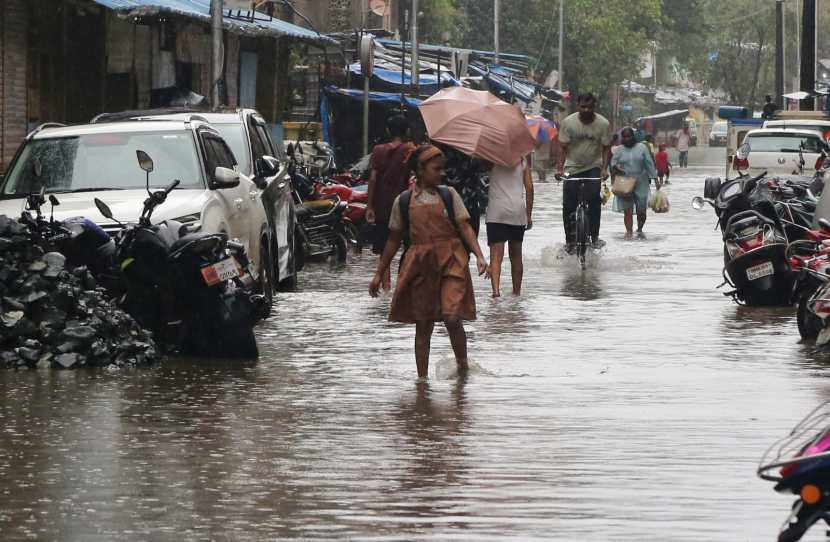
pixel 542 129
pixel 479 124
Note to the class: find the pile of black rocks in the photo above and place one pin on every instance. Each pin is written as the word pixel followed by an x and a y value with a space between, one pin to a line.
pixel 55 316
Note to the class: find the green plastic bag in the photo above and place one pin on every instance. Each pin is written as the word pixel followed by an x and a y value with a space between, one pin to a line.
pixel 606 193
pixel 659 202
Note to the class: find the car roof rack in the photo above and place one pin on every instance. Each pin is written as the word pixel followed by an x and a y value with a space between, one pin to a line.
pixel 43 126
pixel 143 114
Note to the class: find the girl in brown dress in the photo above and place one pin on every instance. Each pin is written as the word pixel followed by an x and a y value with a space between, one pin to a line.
pixel 434 283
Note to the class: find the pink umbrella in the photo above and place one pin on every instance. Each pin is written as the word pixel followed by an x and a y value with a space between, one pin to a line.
pixel 479 124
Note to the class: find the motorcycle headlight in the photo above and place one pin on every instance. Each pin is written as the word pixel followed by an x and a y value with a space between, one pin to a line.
pixel 193 221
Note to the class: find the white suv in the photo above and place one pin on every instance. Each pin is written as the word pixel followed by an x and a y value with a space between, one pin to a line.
pixel 779 151
pixel 81 163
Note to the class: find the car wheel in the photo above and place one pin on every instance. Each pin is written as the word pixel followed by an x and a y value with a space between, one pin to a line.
pixel 266 273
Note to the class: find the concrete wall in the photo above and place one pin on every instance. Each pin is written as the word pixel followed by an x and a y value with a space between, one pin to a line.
pixel 13 62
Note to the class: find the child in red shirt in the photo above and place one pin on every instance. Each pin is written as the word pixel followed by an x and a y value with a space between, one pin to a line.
pixel 661 160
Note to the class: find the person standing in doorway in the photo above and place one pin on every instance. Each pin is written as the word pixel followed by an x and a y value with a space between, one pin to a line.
pixel 682 142
pixel 509 212
pixel 388 178
pixel 434 284
pixel 585 140
pixel 633 160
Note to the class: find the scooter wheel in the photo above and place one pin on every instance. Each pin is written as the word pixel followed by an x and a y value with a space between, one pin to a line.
pixel 809 325
pixel 341 248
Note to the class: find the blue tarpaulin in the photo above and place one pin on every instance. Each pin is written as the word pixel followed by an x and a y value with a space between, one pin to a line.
pixel 380 97
pixel 393 77
pixel 200 9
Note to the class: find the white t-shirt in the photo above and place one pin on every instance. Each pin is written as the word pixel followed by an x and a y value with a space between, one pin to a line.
pixel 683 140
pixel 506 197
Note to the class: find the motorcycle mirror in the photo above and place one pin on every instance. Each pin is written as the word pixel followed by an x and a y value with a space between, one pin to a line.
pixel 743 151
pixel 144 161
pixel 103 208
pixel 53 200
pixel 698 203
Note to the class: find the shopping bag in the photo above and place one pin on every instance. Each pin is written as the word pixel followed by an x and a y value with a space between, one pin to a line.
pixel 606 193
pixel 659 202
pixel 623 186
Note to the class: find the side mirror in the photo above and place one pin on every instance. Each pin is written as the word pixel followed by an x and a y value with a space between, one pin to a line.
pixel 269 166
pixel 144 161
pixel 698 203
pixel 743 152
pixel 225 178
pixel 53 200
pixel 103 208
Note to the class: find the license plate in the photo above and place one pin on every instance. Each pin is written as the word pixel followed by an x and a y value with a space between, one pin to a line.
pixel 758 271
pixel 220 271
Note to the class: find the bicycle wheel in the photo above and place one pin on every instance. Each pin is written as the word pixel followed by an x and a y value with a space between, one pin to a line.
pixel 581 234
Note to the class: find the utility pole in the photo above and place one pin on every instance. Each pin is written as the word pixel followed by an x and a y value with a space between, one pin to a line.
pixel 779 53
pixel 415 65
pixel 561 42
pixel 366 78
pixel 496 10
pixel 808 54
pixel 217 64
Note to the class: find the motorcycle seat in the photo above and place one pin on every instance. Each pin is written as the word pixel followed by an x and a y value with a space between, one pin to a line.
pixel 315 207
pixel 189 238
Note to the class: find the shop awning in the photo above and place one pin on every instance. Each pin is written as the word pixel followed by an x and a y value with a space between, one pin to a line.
pixel 200 9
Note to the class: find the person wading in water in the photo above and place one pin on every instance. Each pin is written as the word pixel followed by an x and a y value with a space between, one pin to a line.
pixel 434 284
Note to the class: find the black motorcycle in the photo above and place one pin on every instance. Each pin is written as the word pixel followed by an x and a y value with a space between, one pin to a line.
pixel 192 290
pixel 321 229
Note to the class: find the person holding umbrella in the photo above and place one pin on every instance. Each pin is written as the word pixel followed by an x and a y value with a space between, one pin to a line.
pixel 585 139
pixel 434 283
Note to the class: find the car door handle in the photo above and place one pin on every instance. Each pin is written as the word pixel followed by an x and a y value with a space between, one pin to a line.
pixel 239 202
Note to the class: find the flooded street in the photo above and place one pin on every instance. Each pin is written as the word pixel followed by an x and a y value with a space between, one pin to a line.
pixel 628 402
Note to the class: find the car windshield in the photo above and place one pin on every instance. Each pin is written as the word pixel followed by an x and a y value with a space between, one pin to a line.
pixel 234 136
pixel 105 161
pixel 783 143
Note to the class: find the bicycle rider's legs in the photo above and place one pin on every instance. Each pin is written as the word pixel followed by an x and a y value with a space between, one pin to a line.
pixel 570 199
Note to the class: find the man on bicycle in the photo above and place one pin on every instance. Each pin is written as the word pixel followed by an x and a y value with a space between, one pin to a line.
pixel 585 141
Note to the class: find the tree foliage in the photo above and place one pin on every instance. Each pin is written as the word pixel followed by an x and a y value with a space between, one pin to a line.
pixel 739 51
pixel 438 20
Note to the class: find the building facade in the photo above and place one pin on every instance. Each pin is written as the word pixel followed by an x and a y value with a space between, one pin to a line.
pixel 66 61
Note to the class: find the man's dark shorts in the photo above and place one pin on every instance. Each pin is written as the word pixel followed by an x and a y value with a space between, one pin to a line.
pixel 501 233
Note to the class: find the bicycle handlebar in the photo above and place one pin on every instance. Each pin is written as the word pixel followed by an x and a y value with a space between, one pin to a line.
pixel 566 178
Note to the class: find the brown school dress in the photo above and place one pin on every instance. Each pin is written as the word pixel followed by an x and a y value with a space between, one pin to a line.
pixel 434 281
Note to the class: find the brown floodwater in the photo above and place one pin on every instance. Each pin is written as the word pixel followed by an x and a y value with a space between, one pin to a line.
pixel 629 402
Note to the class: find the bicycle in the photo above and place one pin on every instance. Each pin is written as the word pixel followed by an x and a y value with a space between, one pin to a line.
pixel 582 222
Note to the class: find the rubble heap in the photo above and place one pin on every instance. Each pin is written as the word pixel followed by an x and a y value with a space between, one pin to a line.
pixel 54 316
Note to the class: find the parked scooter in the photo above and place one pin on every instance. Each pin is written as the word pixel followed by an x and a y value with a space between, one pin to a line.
pixel 799 464
pixel 755 243
pixel 192 290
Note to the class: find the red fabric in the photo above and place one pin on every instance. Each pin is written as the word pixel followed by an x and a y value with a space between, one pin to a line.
pixel 392 176
pixel 661 160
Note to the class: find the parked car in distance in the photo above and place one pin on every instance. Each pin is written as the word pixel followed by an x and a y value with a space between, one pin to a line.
pixel 717 136
pixel 247 134
pixel 81 163
pixel 780 151
pixel 821 125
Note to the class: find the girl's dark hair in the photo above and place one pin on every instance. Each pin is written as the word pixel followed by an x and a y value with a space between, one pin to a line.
pixel 412 161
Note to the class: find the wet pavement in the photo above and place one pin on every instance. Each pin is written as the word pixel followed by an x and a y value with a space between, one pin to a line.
pixel 629 402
